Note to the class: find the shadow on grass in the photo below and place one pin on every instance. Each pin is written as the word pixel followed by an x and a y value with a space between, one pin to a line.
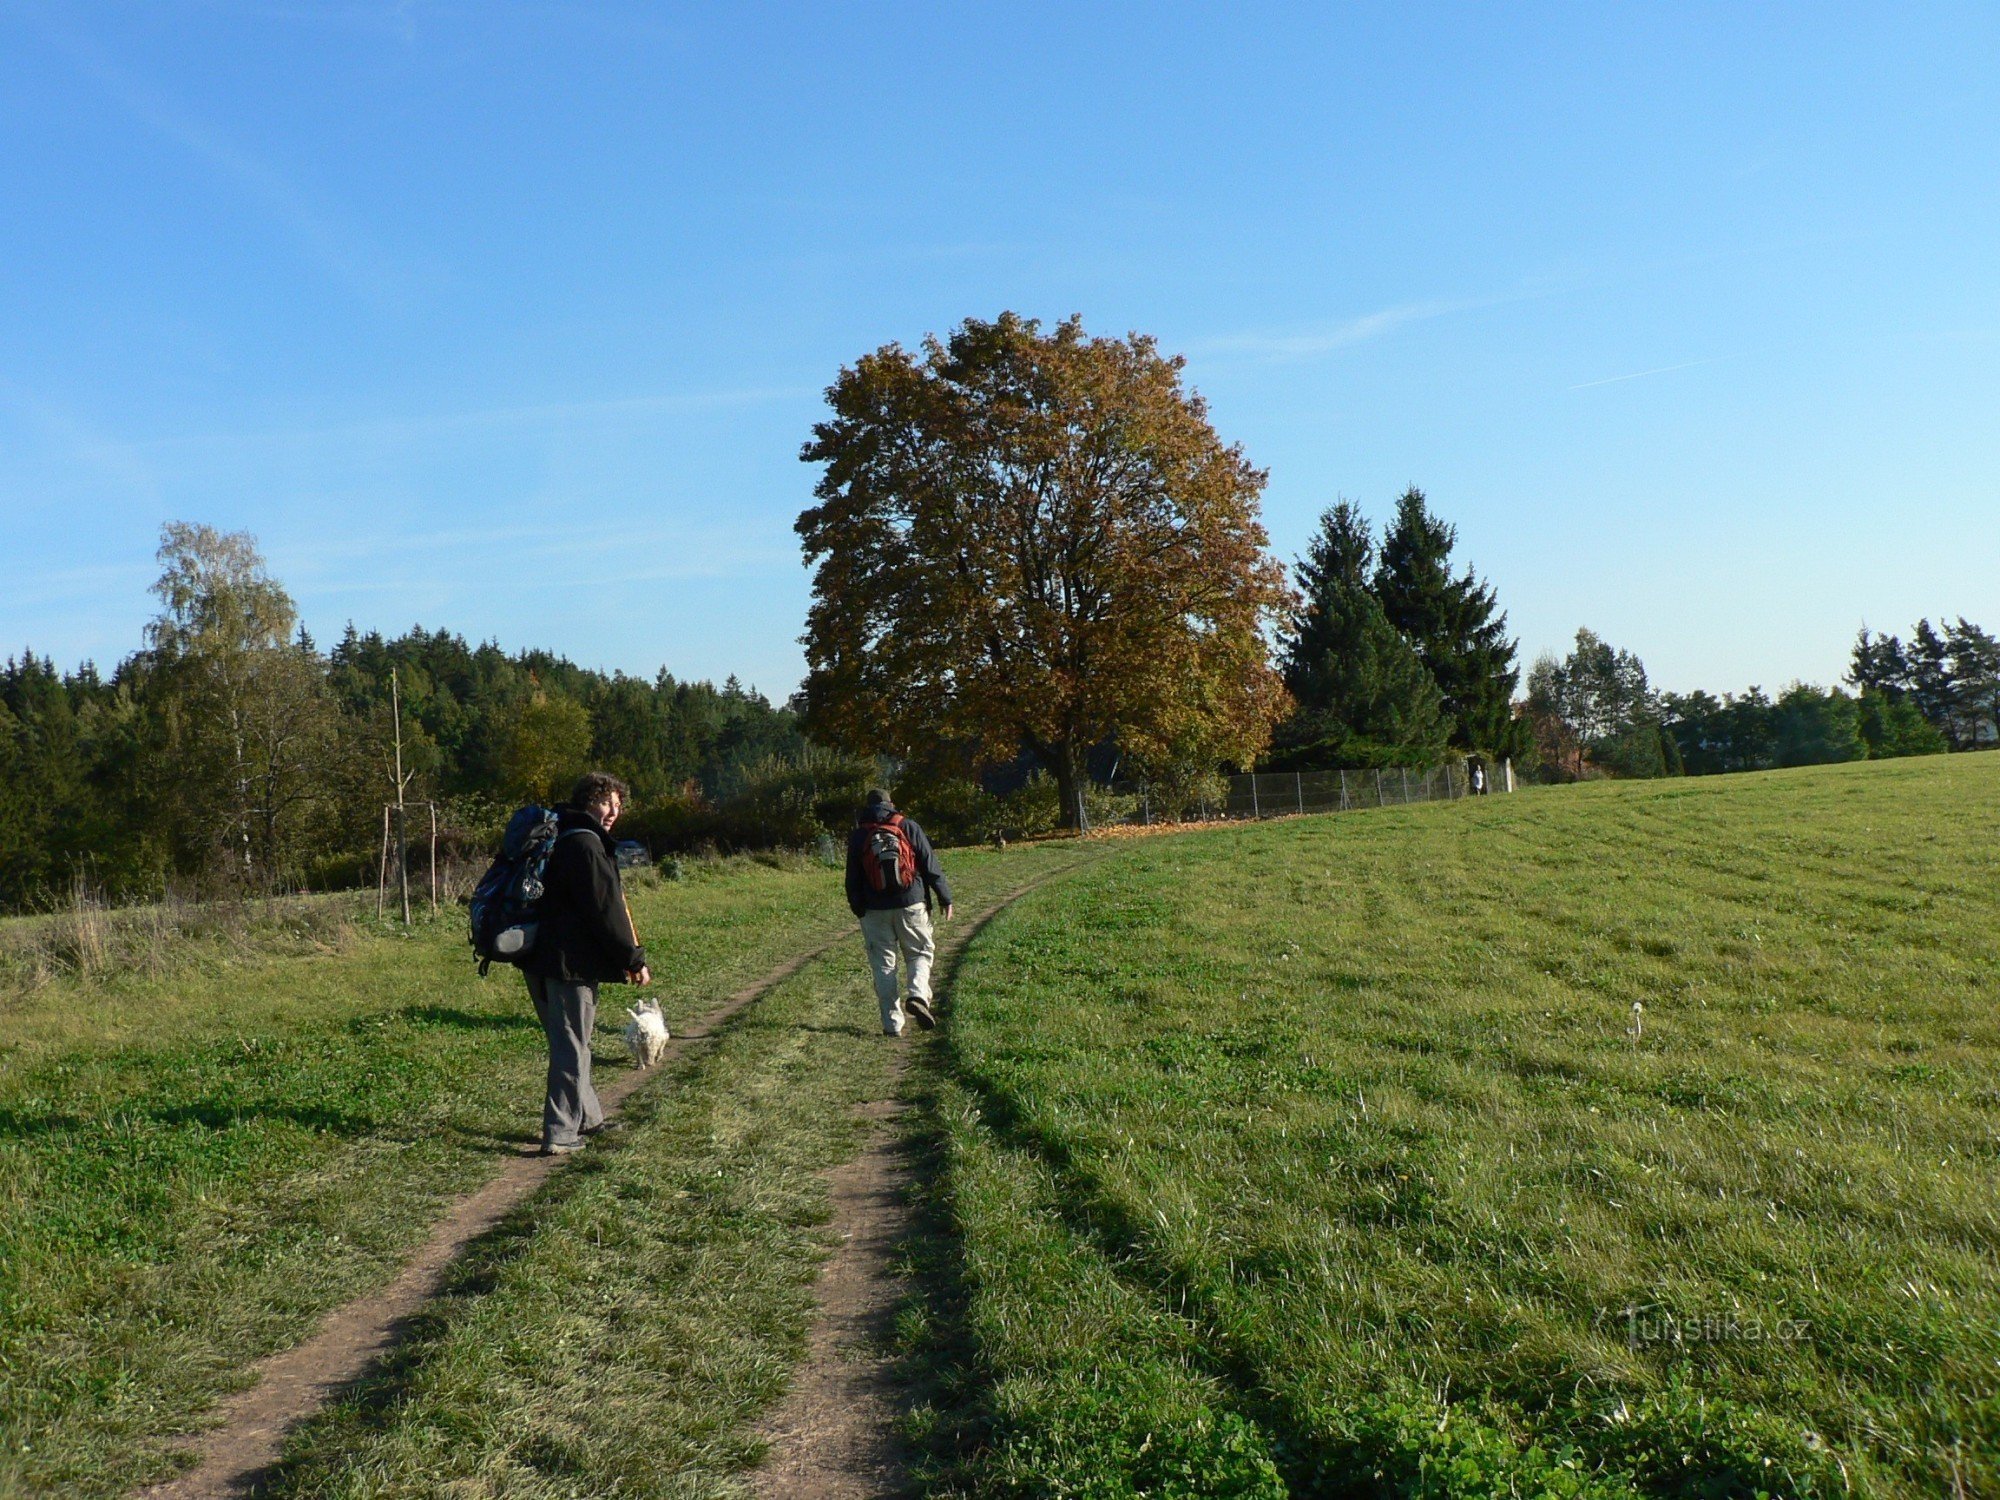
pixel 211 1114
pixel 464 1020
pixel 319 1449
pixel 369 1405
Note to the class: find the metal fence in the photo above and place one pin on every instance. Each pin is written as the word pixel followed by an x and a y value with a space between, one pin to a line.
pixel 1278 794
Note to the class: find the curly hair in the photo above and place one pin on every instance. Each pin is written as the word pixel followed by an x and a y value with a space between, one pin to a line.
pixel 594 787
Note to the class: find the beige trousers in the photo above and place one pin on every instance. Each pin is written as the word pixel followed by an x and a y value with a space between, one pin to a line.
pixel 906 932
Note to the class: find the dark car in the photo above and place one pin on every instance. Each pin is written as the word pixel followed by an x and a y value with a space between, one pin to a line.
pixel 632 854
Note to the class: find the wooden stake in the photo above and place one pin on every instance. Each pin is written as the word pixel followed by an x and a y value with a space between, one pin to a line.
pixel 402 822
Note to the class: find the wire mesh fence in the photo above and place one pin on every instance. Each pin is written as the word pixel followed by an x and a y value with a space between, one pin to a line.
pixel 1278 794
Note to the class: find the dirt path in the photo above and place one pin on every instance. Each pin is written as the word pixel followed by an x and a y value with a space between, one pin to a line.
pixel 835 1436
pixel 291 1385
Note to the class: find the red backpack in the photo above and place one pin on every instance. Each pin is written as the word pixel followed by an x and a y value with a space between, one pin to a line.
pixel 887 857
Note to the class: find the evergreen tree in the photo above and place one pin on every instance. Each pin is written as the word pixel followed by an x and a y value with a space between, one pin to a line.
pixel 1930 680
pixel 1453 624
pixel 1671 763
pixel 1363 696
pixel 1975 682
pixel 1880 664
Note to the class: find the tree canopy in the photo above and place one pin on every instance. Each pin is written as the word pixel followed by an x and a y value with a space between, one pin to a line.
pixel 1595 706
pixel 1364 696
pixel 1030 539
pixel 1948 677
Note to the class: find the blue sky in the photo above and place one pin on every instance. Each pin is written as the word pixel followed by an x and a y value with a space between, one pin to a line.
pixel 511 317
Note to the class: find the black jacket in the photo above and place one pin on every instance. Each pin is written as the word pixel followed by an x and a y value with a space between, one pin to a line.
pixel 586 934
pixel 930 877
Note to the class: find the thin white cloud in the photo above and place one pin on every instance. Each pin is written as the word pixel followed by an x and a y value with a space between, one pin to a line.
pixel 325 241
pixel 395 19
pixel 67 585
pixel 529 414
pixel 452 564
pixel 1642 374
pixel 1311 343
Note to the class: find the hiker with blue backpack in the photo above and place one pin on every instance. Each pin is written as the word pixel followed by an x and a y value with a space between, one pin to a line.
pixel 892 874
pixel 554 905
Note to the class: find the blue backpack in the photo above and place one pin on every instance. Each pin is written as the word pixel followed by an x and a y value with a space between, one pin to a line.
pixel 506 904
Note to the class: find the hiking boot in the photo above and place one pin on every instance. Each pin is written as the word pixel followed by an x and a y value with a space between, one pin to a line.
pixel 601 1128
pixel 921 1011
pixel 562 1150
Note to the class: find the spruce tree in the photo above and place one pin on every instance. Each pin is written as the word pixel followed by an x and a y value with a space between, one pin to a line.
pixel 1929 658
pixel 1880 664
pixel 1363 695
pixel 1453 623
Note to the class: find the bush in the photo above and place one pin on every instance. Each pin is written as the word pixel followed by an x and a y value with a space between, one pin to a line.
pixel 1893 727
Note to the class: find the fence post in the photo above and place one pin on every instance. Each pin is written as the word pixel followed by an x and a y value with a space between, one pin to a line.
pixel 1146 805
pixel 1380 800
pixel 1299 787
pixel 1343 791
pixel 1403 775
pixel 1507 766
pixel 1255 810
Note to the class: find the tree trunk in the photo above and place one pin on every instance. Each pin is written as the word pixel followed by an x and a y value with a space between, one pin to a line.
pixel 1067 766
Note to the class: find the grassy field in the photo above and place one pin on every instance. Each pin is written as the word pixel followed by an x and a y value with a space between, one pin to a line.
pixel 198 1161
pixel 1325 1158
pixel 629 1327
pixel 1320 1158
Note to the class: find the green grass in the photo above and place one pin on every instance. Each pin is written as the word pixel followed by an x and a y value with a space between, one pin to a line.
pixel 624 1332
pixel 1310 1159
pixel 196 1163
pixel 1321 1158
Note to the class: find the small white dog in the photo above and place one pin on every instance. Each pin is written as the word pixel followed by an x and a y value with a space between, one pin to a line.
pixel 646 1033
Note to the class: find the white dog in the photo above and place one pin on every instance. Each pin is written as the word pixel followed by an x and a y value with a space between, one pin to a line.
pixel 646 1033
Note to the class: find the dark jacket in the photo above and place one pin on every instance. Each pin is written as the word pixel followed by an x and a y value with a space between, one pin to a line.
pixel 586 934
pixel 930 877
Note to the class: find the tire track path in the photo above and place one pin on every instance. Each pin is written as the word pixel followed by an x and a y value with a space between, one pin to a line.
pixel 237 1454
pixel 834 1436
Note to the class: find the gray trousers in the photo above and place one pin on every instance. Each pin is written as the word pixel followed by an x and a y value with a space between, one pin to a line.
pixel 568 1012
pixel 887 934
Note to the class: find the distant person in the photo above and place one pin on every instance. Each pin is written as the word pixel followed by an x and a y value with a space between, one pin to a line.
pixel 1478 778
pixel 892 873
pixel 585 940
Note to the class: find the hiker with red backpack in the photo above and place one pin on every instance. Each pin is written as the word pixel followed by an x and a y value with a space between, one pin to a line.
pixel 892 873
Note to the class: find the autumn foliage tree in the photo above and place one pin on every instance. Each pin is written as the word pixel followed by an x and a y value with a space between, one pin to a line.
pixel 1035 539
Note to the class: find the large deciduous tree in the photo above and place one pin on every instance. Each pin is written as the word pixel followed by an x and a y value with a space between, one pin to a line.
pixel 1030 539
pixel 1454 624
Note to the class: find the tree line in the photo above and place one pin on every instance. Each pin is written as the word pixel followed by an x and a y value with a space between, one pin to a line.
pixel 1037 567
pixel 1594 713
pixel 231 748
